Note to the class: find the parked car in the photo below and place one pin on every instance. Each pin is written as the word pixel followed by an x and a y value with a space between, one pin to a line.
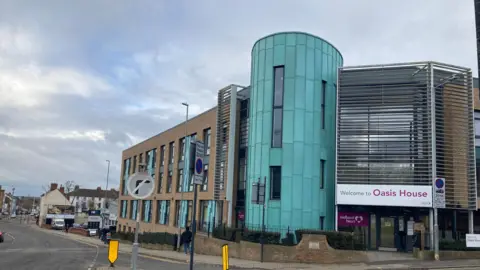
pixel 58 224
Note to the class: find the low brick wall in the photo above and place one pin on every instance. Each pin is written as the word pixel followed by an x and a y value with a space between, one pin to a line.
pixel 311 249
pixel 79 231
pixel 446 255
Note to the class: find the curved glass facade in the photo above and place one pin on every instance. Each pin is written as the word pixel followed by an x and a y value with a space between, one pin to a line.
pixel 292 131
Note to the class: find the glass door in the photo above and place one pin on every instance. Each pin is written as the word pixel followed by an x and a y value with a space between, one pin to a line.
pixel 387 232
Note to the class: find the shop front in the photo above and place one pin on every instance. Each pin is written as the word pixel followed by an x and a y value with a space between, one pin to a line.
pixel 391 217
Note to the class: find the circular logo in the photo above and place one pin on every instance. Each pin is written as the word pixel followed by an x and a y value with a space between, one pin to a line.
pixel 199 166
pixel 439 183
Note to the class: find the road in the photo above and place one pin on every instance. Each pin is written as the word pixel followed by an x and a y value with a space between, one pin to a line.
pixel 27 248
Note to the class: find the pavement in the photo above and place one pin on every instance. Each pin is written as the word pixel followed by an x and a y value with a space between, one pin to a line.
pixel 27 246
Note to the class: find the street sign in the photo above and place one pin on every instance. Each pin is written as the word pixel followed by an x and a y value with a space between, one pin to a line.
pixel 140 185
pixel 439 193
pixel 199 152
pixel 113 251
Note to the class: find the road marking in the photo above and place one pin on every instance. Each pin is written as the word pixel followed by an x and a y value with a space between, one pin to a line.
pixel 11 236
pixel 94 260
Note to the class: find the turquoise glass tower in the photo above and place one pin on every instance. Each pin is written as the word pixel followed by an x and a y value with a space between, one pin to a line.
pixel 292 131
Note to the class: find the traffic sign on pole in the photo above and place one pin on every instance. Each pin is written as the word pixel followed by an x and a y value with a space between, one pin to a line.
pixel 199 153
pixel 439 193
pixel 140 185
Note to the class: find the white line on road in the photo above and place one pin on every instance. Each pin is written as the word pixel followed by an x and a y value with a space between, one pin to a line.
pixel 11 236
pixel 94 259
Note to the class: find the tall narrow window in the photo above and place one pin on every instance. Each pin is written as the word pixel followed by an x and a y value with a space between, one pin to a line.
pixel 181 152
pixel 171 152
pixel 275 182
pixel 322 221
pixel 160 182
pixel 204 187
pixel 135 164
pixel 162 155
pixel 324 89
pixel 206 140
pixel 169 181
pixel 322 174
pixel 180 180
pixel 277 121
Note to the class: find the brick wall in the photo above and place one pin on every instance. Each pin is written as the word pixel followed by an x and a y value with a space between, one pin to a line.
pixel 312 249
pixel 78 231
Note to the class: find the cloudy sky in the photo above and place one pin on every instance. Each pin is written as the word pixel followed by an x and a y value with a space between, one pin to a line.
pixel 82 80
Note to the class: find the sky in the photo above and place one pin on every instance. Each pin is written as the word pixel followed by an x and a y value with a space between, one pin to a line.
pixel 80 81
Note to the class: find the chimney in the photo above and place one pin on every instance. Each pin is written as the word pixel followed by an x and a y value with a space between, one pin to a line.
pixel 99 188
pixel 53 186
pixel 62 189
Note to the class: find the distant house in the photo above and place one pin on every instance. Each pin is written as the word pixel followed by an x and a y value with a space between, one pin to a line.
pixel 55 205
pixel 91 199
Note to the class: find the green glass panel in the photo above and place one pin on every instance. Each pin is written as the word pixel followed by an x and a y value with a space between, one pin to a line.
pixel 269 42
pixel 289 94
pixel 259 100
pixel 268 96
pixel 310 42
pixel 309 127
pixel 298 148
pixel 269 64
pixel 279 39
pixel 317 96
pixel 324 67
pixel 261 44
pixel 287 132
pixel 276 157
pixel 318 44
pixel 279 55
pixel 301 39
pixel 290 62
pixel 300 93
pixel 287 165
pixel 310 67
pixel 309 96
pixel 299 126
pixel 267 128
pixel 300 64
pixel 318 65
pixel 261 65
pixel 291 39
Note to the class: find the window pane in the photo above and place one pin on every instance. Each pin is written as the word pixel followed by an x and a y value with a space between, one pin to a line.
pixel 477 127
pixel 322 174
pixel 277 127
pixel 278 87
pixel 275 182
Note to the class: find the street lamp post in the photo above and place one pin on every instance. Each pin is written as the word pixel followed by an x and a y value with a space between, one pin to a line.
pixel 182 187
pixel 106 191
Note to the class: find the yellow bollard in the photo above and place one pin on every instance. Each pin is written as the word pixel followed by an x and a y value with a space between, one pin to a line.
pixel 225 256
pixel 113 251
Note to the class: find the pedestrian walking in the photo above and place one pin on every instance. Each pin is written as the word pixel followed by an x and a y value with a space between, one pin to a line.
pixel 186 239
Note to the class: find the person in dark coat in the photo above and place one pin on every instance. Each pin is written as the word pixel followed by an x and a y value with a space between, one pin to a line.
pixel 186 239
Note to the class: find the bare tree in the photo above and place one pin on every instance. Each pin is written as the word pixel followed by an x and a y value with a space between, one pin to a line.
pixel 69 186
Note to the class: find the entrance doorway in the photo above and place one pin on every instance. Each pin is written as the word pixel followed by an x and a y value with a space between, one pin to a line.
pixel 387 234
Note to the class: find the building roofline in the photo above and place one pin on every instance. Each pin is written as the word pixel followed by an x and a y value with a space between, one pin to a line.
pixel 298 32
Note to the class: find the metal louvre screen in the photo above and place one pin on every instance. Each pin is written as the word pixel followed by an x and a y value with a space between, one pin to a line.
pixel 455 134
pixel 386 123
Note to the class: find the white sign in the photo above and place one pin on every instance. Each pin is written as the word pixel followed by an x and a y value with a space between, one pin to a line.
pixel 60 216
pixel 439 193
pixel 314 245
pixel 410 224
pixel 473 240
pixel 140 185
pixel 199 152
pixel 385 195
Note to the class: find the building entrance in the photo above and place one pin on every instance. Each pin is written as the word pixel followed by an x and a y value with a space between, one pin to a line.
pixel 387 233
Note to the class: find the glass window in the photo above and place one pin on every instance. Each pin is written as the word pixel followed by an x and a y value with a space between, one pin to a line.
pixel 322 174
pixel 324 89
pixel 189 213
pixel 193 137
pixel 277 127
pixel 169 181
pixel 206 140
pixel 322 221
pixel 140 158
pixel 160 182
pixel 181 152
pixel 278 87
pixel 275 182
pixel 477 128
pixel 180 181
pixel 154 158
pixel 134 164
pixel 204 187
pixel 171 152
pixel 277 107
pixel 162 155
